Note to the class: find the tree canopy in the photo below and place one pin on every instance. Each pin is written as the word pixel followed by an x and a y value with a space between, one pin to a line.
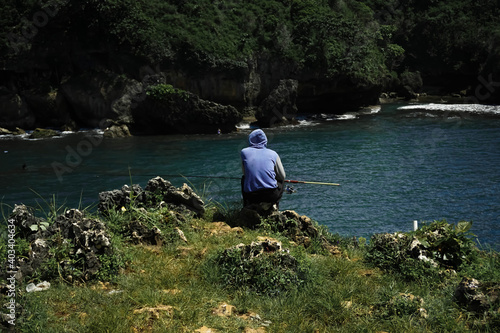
pixel 366 40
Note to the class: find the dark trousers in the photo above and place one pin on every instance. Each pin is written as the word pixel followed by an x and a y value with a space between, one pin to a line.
pixel 271 195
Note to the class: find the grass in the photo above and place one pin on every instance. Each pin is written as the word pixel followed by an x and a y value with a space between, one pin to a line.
pixel 175 287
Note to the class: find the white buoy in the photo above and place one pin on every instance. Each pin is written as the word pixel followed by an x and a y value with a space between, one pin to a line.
pixel 415 225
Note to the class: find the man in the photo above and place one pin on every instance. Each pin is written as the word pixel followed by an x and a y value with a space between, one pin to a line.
pixel 263 173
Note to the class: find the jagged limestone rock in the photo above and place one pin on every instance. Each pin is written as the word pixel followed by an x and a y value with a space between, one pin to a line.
pixel 73 241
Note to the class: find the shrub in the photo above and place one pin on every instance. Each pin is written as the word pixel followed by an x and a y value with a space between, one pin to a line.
pixel 165 91
pixel 423 253
pixel 261 268
pixel 450 245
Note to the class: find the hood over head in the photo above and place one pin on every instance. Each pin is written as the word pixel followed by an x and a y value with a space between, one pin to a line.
pixel 257 139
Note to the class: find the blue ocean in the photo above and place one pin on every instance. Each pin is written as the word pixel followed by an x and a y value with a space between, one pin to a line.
pixel 395 164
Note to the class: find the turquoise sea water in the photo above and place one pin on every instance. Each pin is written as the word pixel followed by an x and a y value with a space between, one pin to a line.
pixel 394 166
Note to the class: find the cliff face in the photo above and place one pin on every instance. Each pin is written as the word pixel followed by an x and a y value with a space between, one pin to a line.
pixel 98 97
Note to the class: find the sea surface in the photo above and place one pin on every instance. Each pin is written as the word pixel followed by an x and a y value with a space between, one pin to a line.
pixel 395 164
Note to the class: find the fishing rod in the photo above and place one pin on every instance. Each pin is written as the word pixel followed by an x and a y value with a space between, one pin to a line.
pixel 238 178
pixel 304 182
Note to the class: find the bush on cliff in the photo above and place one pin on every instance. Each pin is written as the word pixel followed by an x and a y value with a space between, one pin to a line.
pixel 425 253
pixel 261 267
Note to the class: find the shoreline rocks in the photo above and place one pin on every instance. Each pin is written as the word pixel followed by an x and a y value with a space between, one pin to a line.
pixel 42 133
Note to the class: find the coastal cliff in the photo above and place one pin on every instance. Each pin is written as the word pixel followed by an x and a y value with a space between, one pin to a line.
pixel 70 65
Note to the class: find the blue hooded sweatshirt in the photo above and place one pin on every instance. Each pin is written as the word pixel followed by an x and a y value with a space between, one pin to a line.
pixel 262 166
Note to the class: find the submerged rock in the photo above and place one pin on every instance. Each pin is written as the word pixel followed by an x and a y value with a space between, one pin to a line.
pixel 4 131
pixel 16 131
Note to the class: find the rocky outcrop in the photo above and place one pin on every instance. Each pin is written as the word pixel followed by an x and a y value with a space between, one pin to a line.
pixel 100 98
pixel 177 111
pixel 177 205
pixel 335 95
pixel 258 248
pixel 16 131
pixel 279 107
pixel 49 108
pixel 262 266
pixel 140 233
pixel 275 89
pixel 117 131
pixel 80 241
pixel 43 133
pixel 226 86
pixel 96 97
pixel 100 93
pixel 157 192
pixel 116 199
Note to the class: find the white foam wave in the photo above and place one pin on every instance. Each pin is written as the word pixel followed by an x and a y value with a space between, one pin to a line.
pixel 466 108
pixel 243 126
pixel 347 116
pixel 60 134
pixel 307 123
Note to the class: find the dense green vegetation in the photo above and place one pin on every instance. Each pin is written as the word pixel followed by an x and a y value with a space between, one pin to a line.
pixel 365 41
